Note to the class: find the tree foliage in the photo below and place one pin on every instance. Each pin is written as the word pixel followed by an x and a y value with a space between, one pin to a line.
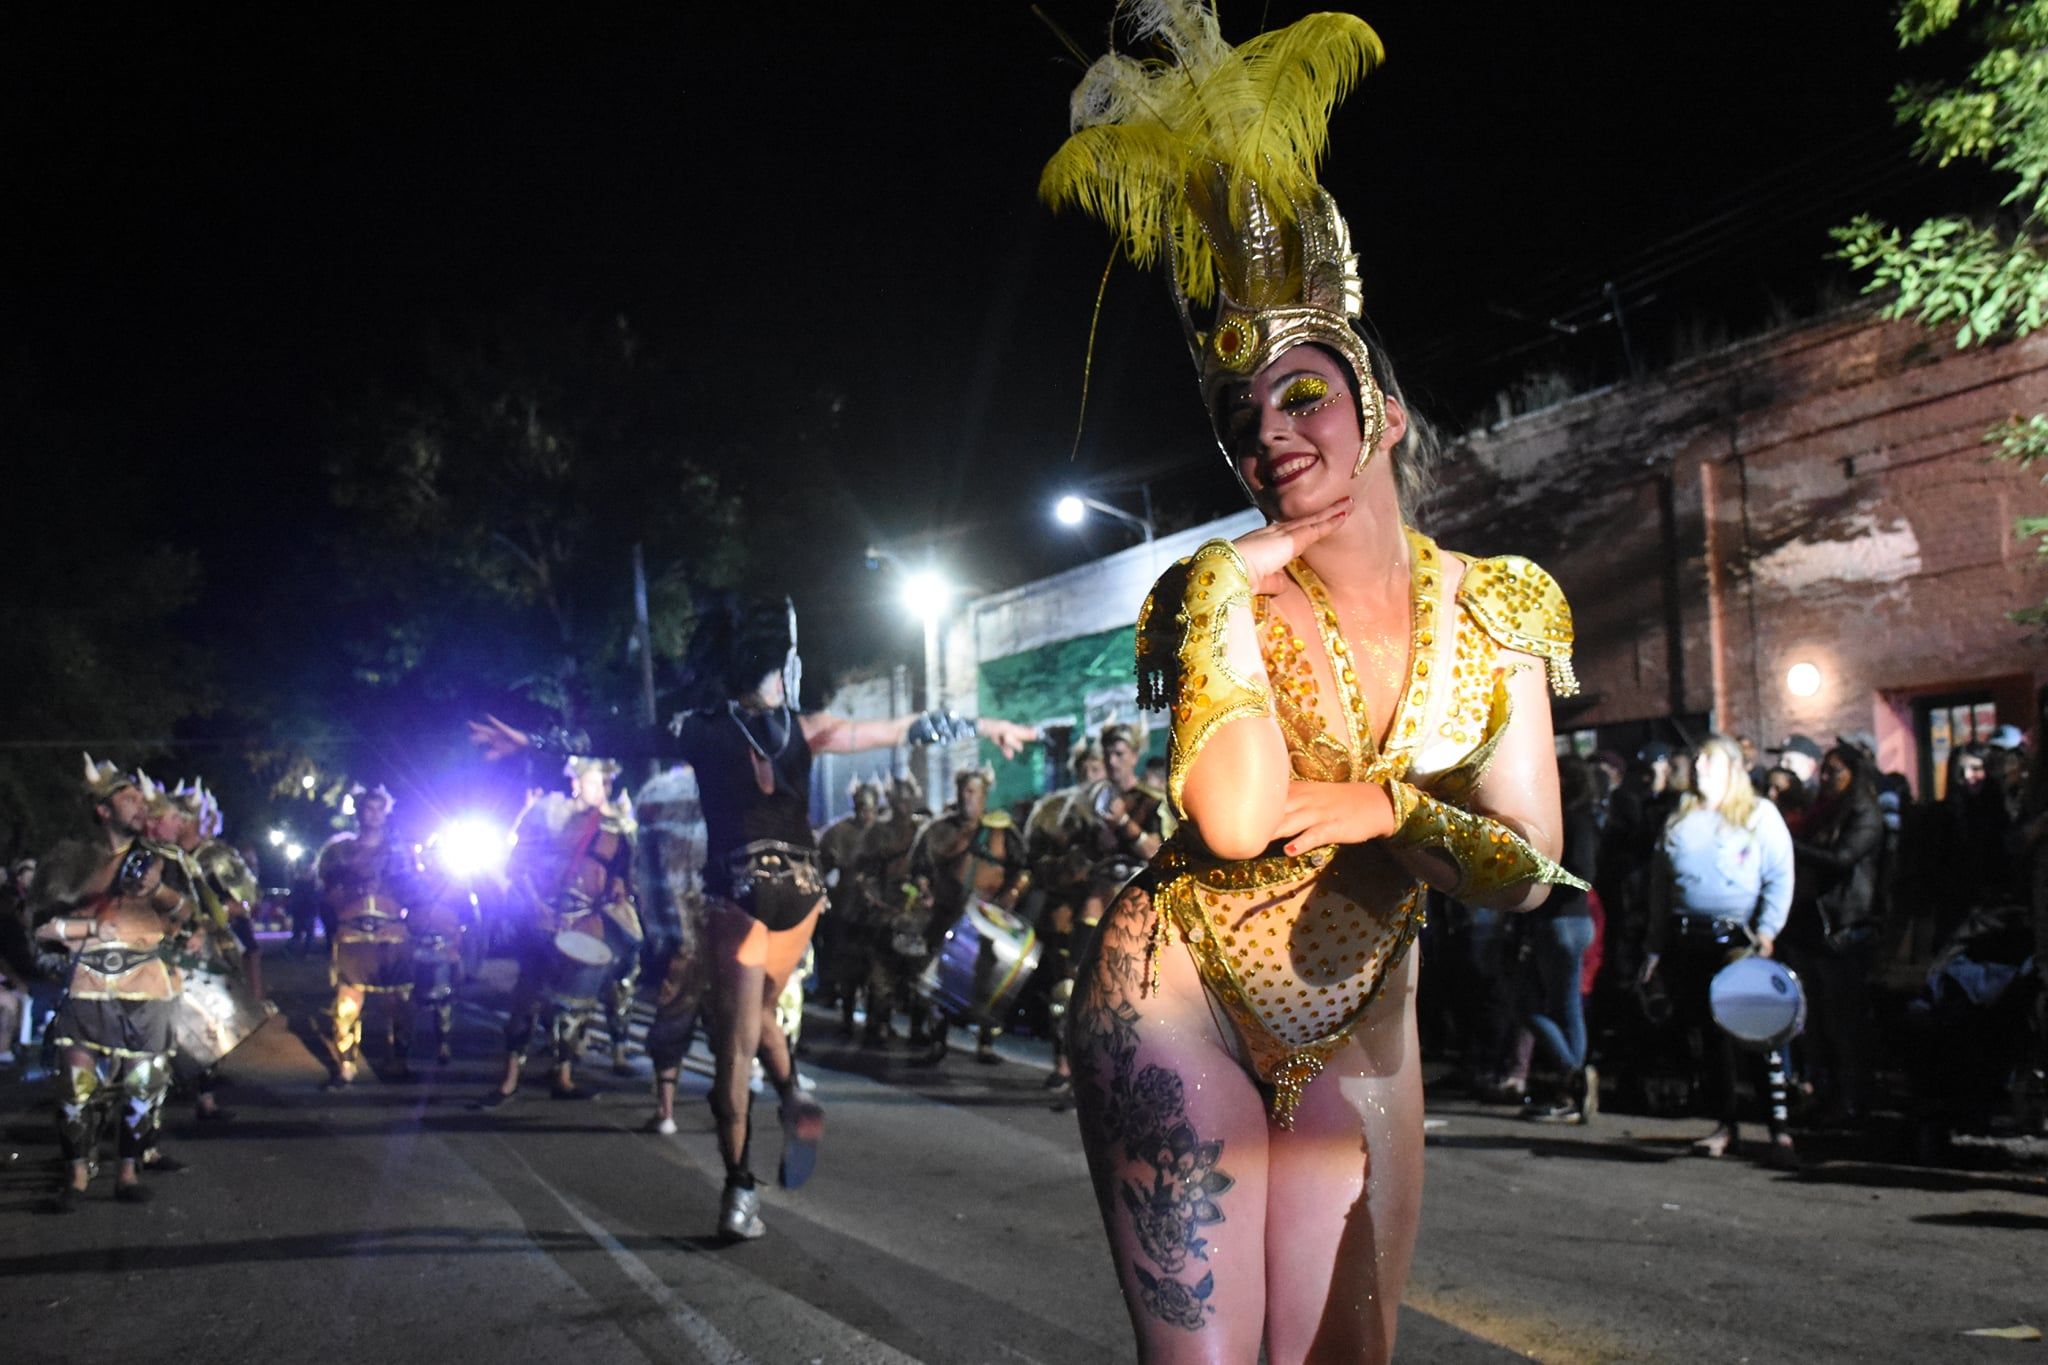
pixel 1987 278
pixel 94 623
pixel 493 498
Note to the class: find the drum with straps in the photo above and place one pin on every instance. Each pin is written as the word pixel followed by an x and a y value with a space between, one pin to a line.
pixel 982 963
pixel 581 962
pixel 1758 1001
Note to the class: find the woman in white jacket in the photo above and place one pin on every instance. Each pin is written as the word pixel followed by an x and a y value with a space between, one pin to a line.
pixel 1720 890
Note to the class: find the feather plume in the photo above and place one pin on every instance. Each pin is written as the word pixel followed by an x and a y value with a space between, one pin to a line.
pixel 1248 124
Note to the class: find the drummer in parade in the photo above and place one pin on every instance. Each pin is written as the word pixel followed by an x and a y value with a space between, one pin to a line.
pixel 969 853
pixel 572 876
pixel 365 879
pixel 221 1002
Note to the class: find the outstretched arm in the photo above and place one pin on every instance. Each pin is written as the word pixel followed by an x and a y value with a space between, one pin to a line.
pixel 839 735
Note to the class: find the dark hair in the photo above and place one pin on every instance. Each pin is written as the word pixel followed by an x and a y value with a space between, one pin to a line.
pixel 1117 731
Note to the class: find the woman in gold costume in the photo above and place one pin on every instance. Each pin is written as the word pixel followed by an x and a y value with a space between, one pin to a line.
pixel 1355 713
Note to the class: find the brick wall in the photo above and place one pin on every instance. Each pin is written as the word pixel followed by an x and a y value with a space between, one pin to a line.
pixel 1821 495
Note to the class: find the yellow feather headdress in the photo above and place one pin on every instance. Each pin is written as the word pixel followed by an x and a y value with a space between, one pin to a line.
pixel 1208 156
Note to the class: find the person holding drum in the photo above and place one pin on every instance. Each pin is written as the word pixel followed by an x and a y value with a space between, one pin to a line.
pixel 222 1003
pixel 364 879
pixel 969 854
pixel 751 752
pixel 572 874
pixel 1355 713
pixel 1720 891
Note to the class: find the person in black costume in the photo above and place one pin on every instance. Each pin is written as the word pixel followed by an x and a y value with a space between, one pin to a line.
pixel 751 751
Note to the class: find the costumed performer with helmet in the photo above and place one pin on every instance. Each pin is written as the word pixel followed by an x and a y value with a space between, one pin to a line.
pixel 572 872
pixel 105 902
pixel 1355 714
pixel 750 749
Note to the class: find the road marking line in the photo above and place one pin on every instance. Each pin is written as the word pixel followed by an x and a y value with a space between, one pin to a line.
pixel 701 1332
pixel 714 1344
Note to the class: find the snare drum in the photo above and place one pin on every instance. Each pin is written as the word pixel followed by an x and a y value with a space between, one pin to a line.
pixel 983 962
pixel 578 970
pixel 1758 1001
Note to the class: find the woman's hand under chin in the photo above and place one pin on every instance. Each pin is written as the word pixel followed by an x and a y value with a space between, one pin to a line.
pixel 1319 813
pixel 1269 550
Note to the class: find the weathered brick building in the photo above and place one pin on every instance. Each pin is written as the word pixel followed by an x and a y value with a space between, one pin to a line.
pixel 1821 497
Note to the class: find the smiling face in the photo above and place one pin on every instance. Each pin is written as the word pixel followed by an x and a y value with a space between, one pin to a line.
pixel 1293 432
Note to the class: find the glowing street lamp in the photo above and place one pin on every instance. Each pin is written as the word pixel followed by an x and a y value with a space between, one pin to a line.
pixel 927 594
pixel 294 852
pixel 1073 509
pixel 277 837
pixel 1802 680
pixel 307 783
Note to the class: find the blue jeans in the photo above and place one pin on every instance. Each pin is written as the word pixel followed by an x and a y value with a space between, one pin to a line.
pixel 1559 1018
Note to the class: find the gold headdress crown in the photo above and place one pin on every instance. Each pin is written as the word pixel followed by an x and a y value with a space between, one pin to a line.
pixel 1208 156
pixel 102 780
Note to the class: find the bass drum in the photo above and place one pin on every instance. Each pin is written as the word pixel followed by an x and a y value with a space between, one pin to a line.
pixel 216 1012
pixel 1758 1001
pixel 579 968
pixel 982 963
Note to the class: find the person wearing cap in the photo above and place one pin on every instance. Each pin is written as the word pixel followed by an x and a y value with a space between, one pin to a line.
pixel 572 873
pixel 1801 755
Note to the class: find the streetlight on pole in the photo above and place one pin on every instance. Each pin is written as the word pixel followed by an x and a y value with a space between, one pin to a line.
pixel 926 594
pixel 1074 508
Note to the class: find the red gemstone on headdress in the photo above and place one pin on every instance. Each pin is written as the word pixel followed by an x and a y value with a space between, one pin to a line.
pixel 1228 342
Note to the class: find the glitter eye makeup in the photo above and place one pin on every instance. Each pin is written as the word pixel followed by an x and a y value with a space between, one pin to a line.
pixel 1307 388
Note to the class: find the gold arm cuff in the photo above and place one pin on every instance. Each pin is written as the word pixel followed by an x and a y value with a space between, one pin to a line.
pixel 1210 693
pixel 1489 856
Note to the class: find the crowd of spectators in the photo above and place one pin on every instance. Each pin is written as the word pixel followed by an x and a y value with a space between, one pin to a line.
pixel 1917 932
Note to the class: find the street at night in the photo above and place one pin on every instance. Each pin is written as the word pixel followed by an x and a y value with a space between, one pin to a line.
pixel 1174 681
pixel 951 1221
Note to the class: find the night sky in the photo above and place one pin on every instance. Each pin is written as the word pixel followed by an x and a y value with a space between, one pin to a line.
pixel 228 225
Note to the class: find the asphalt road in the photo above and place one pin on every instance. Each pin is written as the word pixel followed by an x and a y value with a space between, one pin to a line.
pixel 950 1222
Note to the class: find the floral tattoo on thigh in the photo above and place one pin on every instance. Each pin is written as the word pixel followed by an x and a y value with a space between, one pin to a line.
pixel 1170 1181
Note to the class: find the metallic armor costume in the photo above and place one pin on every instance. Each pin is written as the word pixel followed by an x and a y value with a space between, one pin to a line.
pixel 991 866
pixel 122 989
pixel 573 867
pixel 368 886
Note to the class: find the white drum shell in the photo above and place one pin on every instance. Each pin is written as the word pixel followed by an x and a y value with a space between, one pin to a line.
pixel 1759 1001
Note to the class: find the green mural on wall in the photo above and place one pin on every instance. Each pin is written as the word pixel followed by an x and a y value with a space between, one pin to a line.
pixel 1081 684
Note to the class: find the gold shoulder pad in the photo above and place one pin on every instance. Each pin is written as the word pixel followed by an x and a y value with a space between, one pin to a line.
pixel 997 819
pixel 1513 600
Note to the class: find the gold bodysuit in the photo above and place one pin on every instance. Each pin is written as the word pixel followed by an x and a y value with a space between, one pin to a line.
pixel 1296 972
